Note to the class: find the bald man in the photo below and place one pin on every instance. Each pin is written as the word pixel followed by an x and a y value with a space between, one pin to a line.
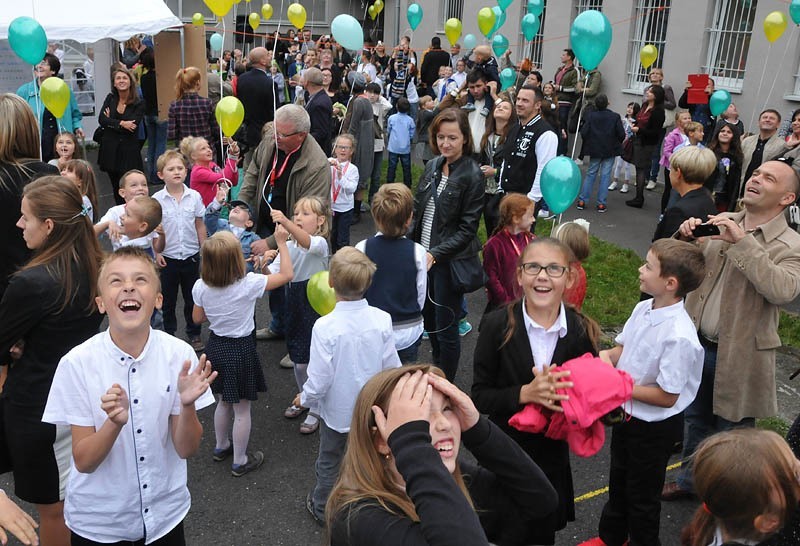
pixel 257 92
pixel 753 267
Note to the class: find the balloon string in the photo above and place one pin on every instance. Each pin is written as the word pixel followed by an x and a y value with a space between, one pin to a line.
pixel 772 88
pixel 221 89
pixel 760 83
pixel 580 115
pixel 274 108
pixel 37 93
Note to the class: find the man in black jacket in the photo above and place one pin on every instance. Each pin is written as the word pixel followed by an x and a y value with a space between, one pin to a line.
pixel 257 92
pixel 319 108
pixel 434 59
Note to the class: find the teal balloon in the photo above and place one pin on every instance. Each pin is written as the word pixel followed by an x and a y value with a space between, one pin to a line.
pixel 561 182
pixel 504 4
pixel 216 41
pixel 499 44
pixel 414 15
pixel 536 7
pixel 719 102
pixel 530 26
pixel 499 19
pixel 348 32
pixel 590 37
pixel 507 77
pixel 28 39
pixel 470 41
pixel 794 11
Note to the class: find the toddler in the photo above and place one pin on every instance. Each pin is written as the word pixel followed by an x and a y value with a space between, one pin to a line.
pixel 239 222
pixel 207 175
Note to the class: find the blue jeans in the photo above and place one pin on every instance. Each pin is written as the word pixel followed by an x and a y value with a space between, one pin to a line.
pixel 405 162
pixel 605 166
pixel 441 319
pixel 340 229
pixel 156 144
pixel 700 419
pixel 183 274
pixel 410 353
pixel 331 452
pixel 375 177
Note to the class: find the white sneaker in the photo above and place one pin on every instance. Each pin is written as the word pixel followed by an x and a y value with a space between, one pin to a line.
pixel 544 213
pixel 579 161
pixel 651 185
pixel 613 186
pixel 286 362
pixel 624 189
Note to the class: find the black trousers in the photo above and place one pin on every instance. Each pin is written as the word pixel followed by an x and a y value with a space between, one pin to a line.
pixel 183 274
pixel 173 538
pixel 640 451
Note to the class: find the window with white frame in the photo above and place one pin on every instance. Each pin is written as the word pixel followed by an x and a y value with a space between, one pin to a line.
pixel 533 49
pixel 449 9
pixel 650 20
pixel 728 41
pixel 585 5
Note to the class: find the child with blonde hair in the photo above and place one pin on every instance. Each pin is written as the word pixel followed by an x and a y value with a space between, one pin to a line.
pixel 81 173
pixel 308 250
pixel 344 183
pixel 225 296
pixel 206 175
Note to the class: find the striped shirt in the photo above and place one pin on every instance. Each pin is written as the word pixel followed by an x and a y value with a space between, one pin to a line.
pixel 427 216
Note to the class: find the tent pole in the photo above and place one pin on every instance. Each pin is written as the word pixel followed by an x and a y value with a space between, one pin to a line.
pixel 183 48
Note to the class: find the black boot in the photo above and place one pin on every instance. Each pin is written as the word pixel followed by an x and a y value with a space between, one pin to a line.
pixel 356 211
pixel 638 201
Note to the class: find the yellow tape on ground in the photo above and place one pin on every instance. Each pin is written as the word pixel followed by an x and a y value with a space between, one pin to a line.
pixel 601 491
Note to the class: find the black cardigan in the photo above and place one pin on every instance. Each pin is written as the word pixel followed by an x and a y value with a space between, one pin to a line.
pixel 505 485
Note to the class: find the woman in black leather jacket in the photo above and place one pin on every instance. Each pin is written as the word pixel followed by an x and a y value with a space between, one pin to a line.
pixel 447 210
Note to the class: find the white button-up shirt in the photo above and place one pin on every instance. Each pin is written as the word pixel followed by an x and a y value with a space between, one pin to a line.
pixel 178 221
pixel 139 490
pixel 660 348
pixel 349 345
pixel 230 309
pixel 543 340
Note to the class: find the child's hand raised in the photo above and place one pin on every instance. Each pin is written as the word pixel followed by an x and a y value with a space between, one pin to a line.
pixel 463 405
pixel 222 193
pixel 115 403
pixel 114 231
pixel 281 235
pixel 278 217
pixel 192 385
pixel 410 401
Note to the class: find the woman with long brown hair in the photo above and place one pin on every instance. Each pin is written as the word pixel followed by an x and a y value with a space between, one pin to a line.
pixel 503 117
pixel 120 117
pixel 401 482
pixel 48 308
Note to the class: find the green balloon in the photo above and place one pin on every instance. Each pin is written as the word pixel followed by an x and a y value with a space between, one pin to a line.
pixel 507 78
pixel 28 39
pixel 590 37
pixel 414 15
pixel 561 182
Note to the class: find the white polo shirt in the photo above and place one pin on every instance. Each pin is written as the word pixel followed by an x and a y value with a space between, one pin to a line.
pixel 230 309
pixel 660 348
pixel 178 221
pixel 140 487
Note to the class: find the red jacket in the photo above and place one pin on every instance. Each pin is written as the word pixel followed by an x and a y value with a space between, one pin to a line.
pixel 598 388
pixel 205 179
pixel 500 255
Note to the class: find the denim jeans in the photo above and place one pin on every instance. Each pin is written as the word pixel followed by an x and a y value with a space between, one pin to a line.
pixel 340 229
pixel 605 166
pixel 441 319
pixel 183 274
pixel 700 419
pixel 156 144
pixel 331 452
pixel 405 162
pixel 410 353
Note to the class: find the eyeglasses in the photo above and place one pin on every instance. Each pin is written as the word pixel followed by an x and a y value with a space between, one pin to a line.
pixel 281 135
pixel 553 271
pixel 340 147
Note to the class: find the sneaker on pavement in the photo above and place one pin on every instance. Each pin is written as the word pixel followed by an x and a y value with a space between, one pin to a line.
pixel 197 344
pixel 464 327
pixel 310 508
pixel 601 208
pixel 613 186
pixel 425 335
pixel 267 334
pixel 254 460
pixel 286 362
pixel 581 205
pixel 624 189
pixel 673 492
pixel 293 412
pixel 468 107
pixel 222 454
pixel 651 185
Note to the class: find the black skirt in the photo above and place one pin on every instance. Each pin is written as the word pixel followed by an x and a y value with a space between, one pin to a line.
pixel 236 361
pixel 300 319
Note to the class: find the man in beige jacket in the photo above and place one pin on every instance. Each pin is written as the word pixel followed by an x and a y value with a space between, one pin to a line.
pixel 752 268
pixel 761 147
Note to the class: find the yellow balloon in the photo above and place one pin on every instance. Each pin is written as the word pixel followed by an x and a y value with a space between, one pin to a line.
pixel 320 294
pixel 219 7
pixel 297 15
pixel 197 20
pixel 266 12
pixel 237 1
pixel 486 20
pixel 255 20
pixel 229 114
pixel 378 6
pixel 55 95
pixel 372 12
pixel 648 55
pixel 774 25
pixel 452 29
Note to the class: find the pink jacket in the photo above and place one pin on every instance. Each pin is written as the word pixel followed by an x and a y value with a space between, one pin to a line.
pixel 671 141
pixel 205 179
pixel 597 389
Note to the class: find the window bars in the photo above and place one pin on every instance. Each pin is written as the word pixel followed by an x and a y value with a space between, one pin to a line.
pixel 728 42
pixel 649 27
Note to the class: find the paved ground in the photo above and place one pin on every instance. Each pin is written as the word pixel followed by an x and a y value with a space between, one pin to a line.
pixel 267 507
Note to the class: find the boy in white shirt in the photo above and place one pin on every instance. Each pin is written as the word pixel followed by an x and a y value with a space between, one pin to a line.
pixel 128 473
pixel 182 213
pixel 659 348
pixel 348 346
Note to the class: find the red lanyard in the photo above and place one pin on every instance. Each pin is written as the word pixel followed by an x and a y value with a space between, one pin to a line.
pixel 514 243
pixel 335 189
pixel 275 175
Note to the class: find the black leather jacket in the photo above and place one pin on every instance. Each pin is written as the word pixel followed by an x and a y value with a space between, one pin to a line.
pixel 455 223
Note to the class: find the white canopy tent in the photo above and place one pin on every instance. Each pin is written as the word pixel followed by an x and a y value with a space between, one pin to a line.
pixel 88 21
